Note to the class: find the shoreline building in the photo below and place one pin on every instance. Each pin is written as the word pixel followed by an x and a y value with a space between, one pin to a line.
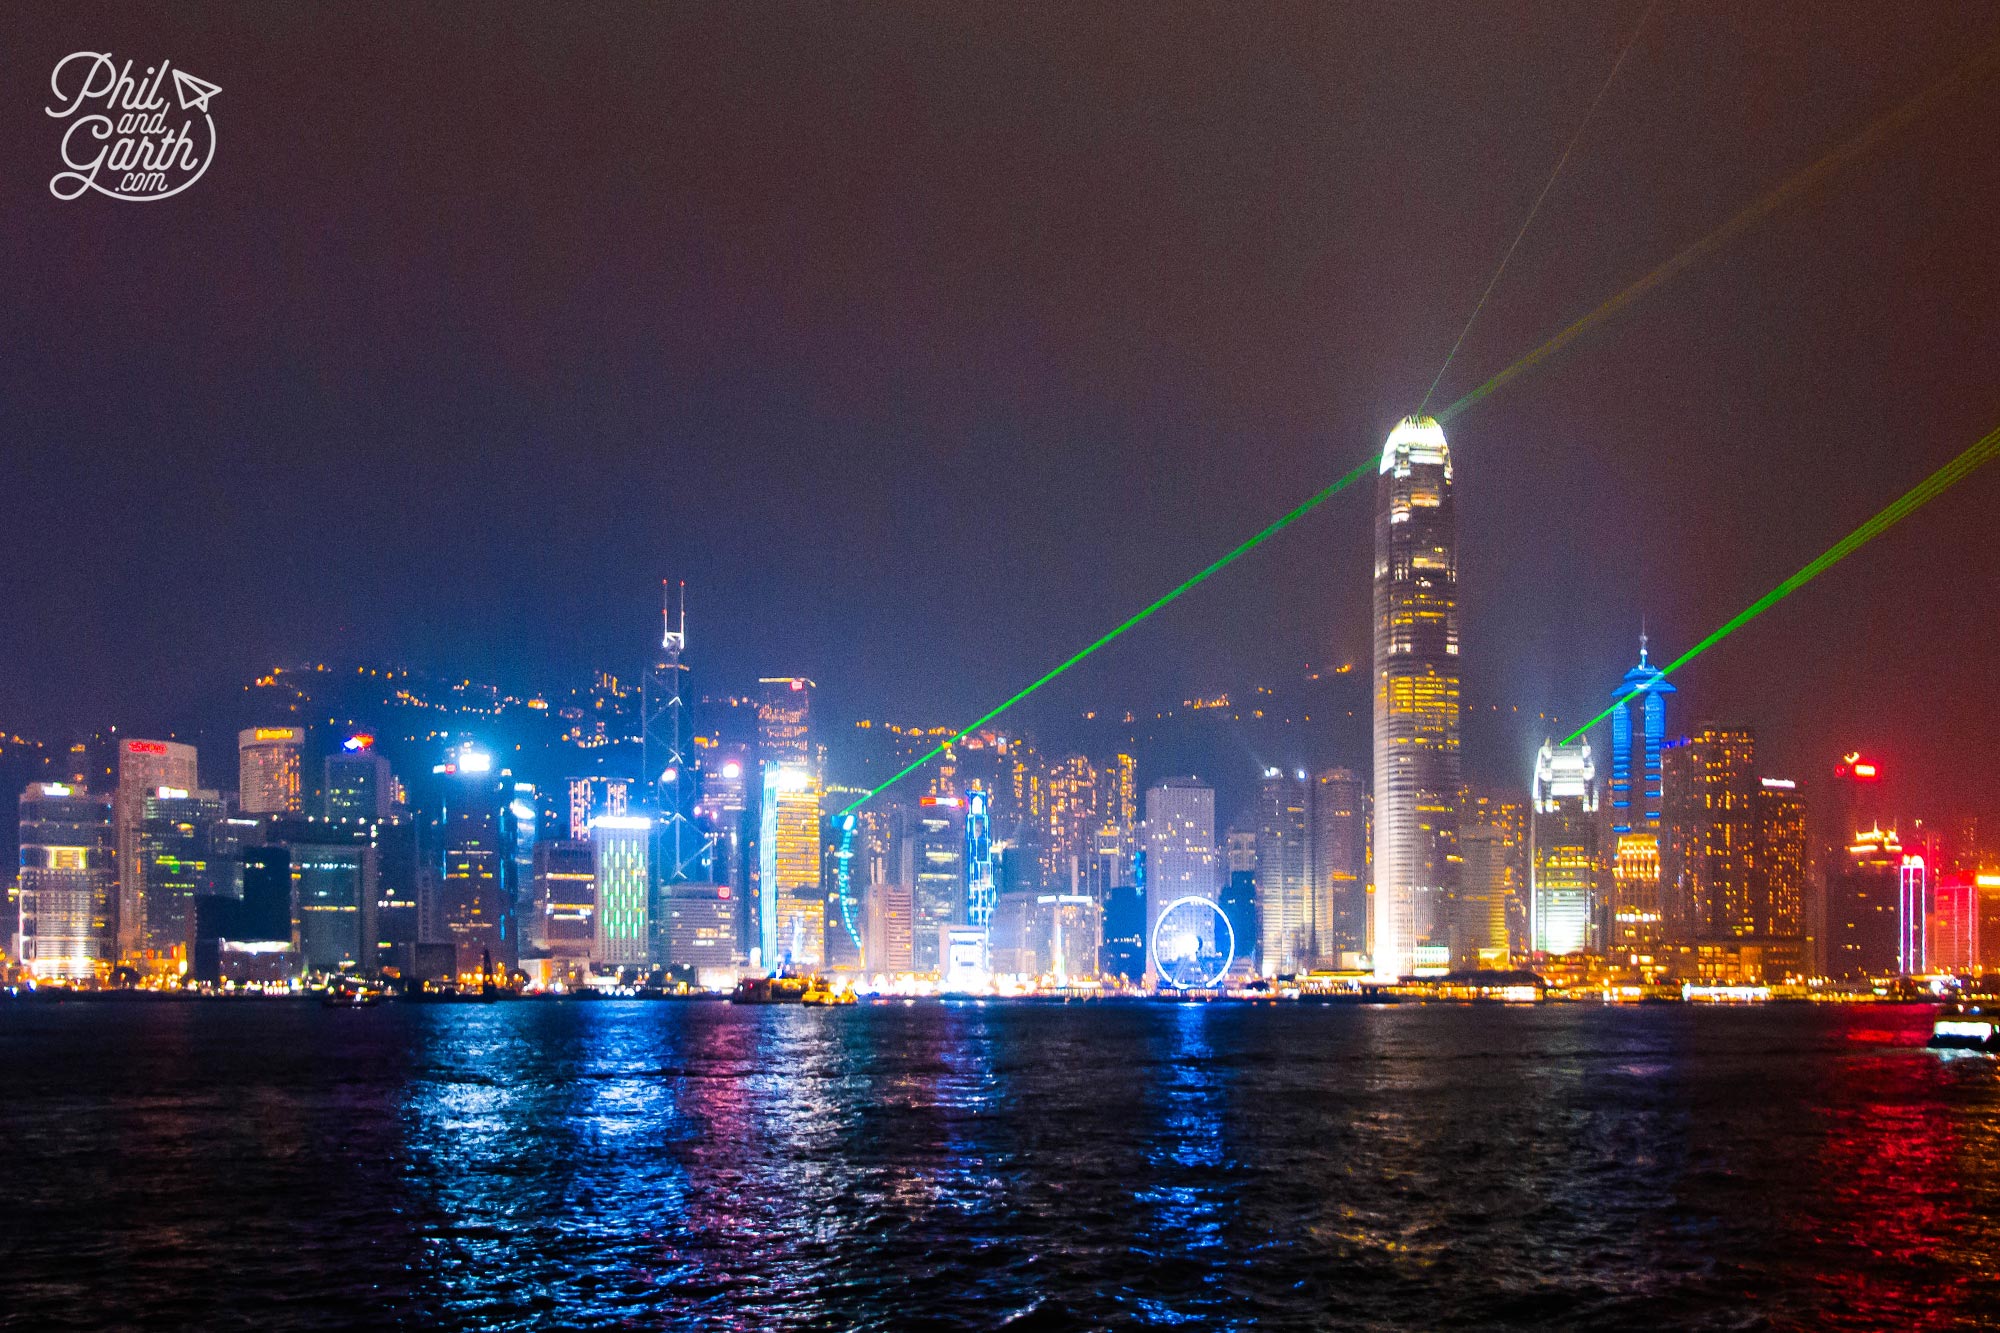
pixel 1711 794
pixel 474 904
pixel 1180 848
pixel 1493 887
pixel 178 857
pixel 1866 894
pixel 1855 800
pixel 1778 878
pixel 1564 848
pixel 1337 914
pixel 1281 864
pixel 144 769
pixel 1416 697
pixel 68 885
pixel 791 908
pixel 565 900
pixel 621 918
pixel 931 863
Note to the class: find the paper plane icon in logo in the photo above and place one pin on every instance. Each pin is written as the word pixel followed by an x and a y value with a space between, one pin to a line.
pixel 193 92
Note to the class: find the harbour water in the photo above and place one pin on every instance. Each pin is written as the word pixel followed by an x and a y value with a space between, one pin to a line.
pixel 275 1165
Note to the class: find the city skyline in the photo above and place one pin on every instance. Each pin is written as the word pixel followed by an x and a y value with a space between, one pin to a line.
pixel 1266 664
pixel 1705 402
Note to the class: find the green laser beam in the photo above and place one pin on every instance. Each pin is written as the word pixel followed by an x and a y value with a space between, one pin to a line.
pixel 1902 507
pixel 1195 580
pixel 1784 192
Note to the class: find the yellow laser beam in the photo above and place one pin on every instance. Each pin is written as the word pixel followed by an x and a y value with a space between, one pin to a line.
pixel 1806 178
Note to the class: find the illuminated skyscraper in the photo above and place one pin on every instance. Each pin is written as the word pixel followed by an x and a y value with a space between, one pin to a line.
pixel 1180 846
pixel 1416 694
pixel 887 910
pixel 565 900
pixel 520 830
pixel 668 767
pixel 1913 909
pixel 981 895
pixel 1284 940
pixel 784 721
pixel 1864 907
pixel 1123 952
pixel 1238 897
pixel 1338 865
pixel 1710 822
pixel 270 767
pixel 1954 923
pixel 1502 874
pixel 1855 800
pixel 718 814
pixel 334 897
pixel 1778 867
pixel 1635 814
pixel 1564 848
pixel 1480 932
pixel 1074 795
pixel 68 884
pixel 177 856
pixel 1110 863
pixel 791 907
pixel 621 924
pixel 358 784
pixel 144 769
pixel 475 910
pixel 1635 750
pixel 931 861
pixel 594 796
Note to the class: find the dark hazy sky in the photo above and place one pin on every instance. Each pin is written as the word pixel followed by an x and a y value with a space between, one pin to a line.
pixel 928 340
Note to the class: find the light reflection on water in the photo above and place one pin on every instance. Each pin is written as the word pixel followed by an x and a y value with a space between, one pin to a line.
pixel 701 1165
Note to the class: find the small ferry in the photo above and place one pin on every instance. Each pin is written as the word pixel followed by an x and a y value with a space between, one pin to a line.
pixel 771 990
pixel 349 994
pixel 1966 1027
pixel 819 993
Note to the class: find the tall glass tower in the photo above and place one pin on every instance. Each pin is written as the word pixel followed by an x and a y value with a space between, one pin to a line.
pixel 1635 754
pixel 1638 734
pixel 1416 697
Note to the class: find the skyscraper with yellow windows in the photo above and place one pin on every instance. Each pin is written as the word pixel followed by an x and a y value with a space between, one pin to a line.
pixel 1416 698
pixel 791 907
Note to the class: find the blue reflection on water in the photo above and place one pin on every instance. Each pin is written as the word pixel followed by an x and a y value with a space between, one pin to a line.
pixel 701 1165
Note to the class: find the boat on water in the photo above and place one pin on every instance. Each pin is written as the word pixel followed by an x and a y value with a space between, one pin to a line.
pixel 771 990
pixel 349 995
pixel 1966 1027
pixel 822 994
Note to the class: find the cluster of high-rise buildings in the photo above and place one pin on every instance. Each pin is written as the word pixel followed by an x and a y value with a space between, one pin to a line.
pixel 1672 857
pixel 727 841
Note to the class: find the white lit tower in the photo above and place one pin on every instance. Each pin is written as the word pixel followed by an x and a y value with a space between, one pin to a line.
pixel 664 730
pixel 1416 696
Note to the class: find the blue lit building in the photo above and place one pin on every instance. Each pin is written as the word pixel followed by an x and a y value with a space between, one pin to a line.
pixel 1123 950
pixel 1635 772
pixel 1635 930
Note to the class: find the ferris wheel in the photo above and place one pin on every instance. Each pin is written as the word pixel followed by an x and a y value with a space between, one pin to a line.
pixel 1193 944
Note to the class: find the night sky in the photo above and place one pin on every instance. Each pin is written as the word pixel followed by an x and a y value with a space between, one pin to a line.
pixel 928 341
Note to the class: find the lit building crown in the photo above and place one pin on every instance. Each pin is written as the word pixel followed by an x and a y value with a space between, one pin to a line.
pixel 1416 440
